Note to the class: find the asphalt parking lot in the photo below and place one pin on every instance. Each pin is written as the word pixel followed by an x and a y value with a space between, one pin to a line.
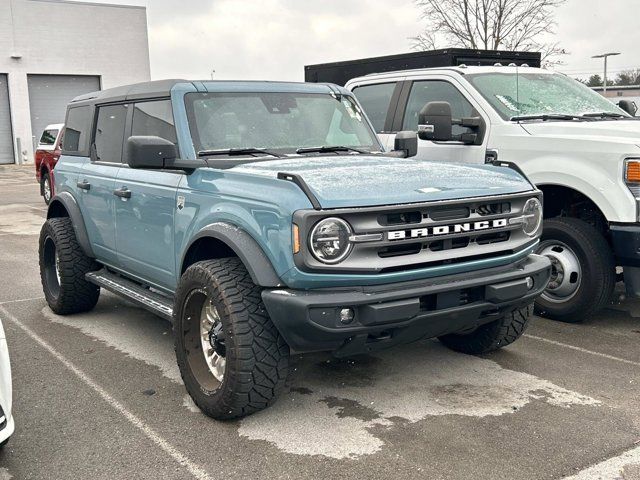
pixel 99 396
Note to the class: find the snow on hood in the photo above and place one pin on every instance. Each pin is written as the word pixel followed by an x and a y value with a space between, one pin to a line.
pixel 619 131
pixel 352 181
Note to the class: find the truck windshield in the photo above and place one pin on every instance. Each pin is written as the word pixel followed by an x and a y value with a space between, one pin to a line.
pixel 524 94
pixel 276 121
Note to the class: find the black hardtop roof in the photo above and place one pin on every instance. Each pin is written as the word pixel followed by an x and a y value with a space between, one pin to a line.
pixel 156 88
pixel 162 89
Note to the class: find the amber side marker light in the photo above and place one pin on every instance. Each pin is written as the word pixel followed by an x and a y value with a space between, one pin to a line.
pixel 296 239
pixel 632 173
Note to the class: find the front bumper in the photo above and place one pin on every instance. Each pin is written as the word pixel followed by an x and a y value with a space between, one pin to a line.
pixel 403 312
pixel 626 244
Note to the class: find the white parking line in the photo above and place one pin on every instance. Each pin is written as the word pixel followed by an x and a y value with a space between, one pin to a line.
pixel 583 350
pixel 195 470
pixel 8 302
pixel 611 468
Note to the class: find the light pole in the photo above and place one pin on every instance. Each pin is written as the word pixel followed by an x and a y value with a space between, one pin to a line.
pixel 605 56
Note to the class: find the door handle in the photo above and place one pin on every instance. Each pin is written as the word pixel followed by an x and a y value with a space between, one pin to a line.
pixel 83 185
pixel 123 192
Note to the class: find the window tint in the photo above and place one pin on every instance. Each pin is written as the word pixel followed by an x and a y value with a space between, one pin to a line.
pixel 154 118
pixel 110 133
pixel 424 92
pixel 48 137
pixel 77 130
pixel 375 100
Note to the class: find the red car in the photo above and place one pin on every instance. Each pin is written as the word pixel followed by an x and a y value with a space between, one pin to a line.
pixel 46 157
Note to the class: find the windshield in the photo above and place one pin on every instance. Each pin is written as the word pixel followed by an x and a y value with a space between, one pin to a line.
pixel 514 95
pixel 280 122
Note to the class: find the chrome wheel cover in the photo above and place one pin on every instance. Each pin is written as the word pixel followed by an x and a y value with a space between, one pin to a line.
pixel 212 339
pixel 566 271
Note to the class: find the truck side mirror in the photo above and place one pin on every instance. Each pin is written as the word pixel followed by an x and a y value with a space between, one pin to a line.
pixel 406 144
pixel 150 152
pixel 435 122
pixel 628 106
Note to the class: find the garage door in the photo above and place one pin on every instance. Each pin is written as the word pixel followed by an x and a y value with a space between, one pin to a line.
pixel 6 139
pixel 50 94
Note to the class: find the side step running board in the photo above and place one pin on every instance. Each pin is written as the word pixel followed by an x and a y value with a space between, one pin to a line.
pixel 154 302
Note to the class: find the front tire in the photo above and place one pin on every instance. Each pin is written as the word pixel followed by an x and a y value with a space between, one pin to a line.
pixel 491 336
pixel 232 358
pixel 583 272
pixel 63 266
pixel 46 187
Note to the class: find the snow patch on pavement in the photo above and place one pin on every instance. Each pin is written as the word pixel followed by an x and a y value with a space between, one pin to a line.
pixel 4 474
pixel 613 468
pixel 130 330
pixel 20 220
pixel 338 417
pixel 341 408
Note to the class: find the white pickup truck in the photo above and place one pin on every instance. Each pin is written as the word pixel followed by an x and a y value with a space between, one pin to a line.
pixel 580 149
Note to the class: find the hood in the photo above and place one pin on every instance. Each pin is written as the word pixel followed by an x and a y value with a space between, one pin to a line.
pixel 362 180
pixel 619 131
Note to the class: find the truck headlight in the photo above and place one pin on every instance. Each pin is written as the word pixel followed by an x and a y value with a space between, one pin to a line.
pixel 329 240
pixel 532 216
pixel 632 180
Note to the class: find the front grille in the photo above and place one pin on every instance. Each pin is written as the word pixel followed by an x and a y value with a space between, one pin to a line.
pixel 3 419
pixel 423 235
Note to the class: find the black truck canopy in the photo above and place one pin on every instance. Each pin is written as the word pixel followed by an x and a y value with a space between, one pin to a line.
pixel 341 72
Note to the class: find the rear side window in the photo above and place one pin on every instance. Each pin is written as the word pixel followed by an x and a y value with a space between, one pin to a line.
pixel 375 99
pixel 154 118
pixel 109 134
pixel 48 137
pixel 78 126
pixel 426 91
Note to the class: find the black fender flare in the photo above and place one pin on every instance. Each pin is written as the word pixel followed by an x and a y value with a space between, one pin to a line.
pixel 70 205
pixel 245 247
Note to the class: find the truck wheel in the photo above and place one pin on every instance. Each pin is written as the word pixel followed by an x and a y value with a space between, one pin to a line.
pixel 231 357
pixel 491 336
pixel 63 266
pixel 46 187
pixel 583 273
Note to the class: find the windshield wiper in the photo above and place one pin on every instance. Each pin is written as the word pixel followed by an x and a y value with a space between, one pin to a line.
pixel 232 152
pixel 329 149
pixel 550 116
pixel 604 115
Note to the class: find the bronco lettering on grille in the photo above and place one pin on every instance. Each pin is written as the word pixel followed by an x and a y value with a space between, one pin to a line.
pixel 447 229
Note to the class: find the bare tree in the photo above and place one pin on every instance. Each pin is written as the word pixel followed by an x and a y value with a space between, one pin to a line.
pixel 489 25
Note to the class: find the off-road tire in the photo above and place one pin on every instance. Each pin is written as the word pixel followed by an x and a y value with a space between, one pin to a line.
pixel 73 293
pixel 598 270
pixel 257 357
pixel 491 336
pixel 45 178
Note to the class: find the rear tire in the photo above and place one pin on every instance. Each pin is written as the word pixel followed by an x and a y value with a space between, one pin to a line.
pixel 232 358
pixel 3 444
pixel 63 266
pixel 46 187
pixel 580 253
pixel 491 336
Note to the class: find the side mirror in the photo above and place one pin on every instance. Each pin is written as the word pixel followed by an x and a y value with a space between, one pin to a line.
pixel 150 152
pixel 628 106
pixel 435 122
pixel 406 144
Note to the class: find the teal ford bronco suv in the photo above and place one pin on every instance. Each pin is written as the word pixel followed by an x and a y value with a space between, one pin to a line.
pixel 265 219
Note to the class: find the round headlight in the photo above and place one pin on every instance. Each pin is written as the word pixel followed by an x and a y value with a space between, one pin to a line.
pixel 532 216
pixel 329 241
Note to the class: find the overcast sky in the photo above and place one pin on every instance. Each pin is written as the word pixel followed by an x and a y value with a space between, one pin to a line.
pixel 274 39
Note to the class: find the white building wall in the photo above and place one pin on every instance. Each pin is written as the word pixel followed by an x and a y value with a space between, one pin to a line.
pixel 61 37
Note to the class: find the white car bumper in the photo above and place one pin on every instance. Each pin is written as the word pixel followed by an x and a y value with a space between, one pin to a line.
pixel 6 420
